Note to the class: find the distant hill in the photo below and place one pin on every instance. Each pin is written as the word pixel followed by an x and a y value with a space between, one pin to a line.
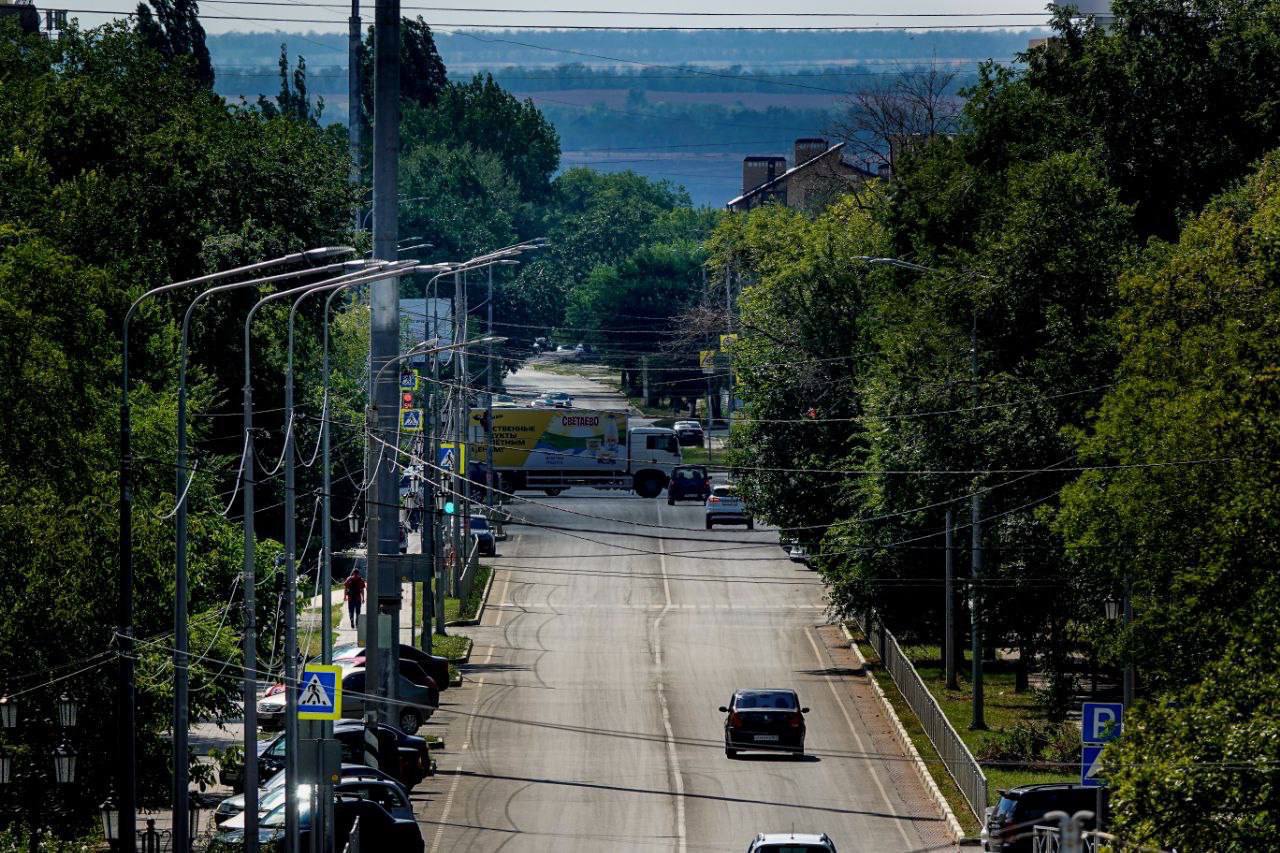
pixel 684 106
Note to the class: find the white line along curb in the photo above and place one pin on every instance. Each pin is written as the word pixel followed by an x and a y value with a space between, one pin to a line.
pixel 922 770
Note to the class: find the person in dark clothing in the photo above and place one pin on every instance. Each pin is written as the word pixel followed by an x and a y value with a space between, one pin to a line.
pixel 353 592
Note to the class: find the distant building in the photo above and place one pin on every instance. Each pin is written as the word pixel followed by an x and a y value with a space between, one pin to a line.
pixel 818 174
pixel 27 15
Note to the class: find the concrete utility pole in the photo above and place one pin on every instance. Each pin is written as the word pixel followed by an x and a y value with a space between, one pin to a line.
pixel 949 631
pixel 488 394
pixel 384 347
pixel 355 101
pixel 978 720
pixel 433 456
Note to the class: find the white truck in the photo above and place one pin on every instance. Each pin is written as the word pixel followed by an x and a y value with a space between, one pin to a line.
pixel 549 450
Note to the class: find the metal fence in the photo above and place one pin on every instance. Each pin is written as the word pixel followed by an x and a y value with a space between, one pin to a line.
pixel 468 576
pixel 1048 839
pixel 957 758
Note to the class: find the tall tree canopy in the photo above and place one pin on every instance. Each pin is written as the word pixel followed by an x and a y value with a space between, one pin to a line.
pixel 175 32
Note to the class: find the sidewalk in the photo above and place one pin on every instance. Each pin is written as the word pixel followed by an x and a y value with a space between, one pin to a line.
pixel 346 635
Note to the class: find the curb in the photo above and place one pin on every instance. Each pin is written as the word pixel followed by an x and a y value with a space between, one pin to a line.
pixel 922 770
pixel 484 602
pixel 466 658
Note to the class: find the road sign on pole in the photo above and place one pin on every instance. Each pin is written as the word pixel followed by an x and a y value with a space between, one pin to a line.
pixel 409 380
pixel 1091 768
pixel 411 420
pixel 452 458
pixel 1101 722
pixel 320 692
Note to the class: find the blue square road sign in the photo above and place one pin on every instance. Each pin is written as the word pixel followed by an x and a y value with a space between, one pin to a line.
pixel 1091 770
pixel 320 692
pixel 1101 722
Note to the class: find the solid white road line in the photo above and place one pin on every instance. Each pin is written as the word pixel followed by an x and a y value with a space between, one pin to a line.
pixel 862 747
pixel 673 757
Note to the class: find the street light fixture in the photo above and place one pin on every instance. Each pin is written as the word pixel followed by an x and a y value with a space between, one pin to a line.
pixel 6 766
pixel 110 820
pixel 8 712
pixel 1111 604
pixel 64 763
pixel 67 710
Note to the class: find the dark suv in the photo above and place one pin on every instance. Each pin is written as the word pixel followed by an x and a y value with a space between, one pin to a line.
pixel 1011 822
pixel 689 483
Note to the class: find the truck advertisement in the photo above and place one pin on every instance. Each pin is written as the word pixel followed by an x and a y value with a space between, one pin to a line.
pixel 553 439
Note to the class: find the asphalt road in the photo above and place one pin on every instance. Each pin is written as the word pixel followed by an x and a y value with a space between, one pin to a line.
pixel 589 721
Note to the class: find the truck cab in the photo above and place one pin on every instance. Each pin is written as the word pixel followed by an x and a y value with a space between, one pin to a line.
pixel 654 451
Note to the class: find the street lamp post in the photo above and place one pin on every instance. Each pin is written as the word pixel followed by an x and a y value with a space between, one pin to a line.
pixel 249 581
pixel 183 478
pixel 126 723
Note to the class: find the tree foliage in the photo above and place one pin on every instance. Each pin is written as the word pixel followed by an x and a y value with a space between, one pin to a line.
pixel 174 31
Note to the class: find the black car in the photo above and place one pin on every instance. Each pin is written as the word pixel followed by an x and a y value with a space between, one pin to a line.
pixel 410 765
pixel 689 483
pixel 1011 822
pixel 378 829
pixel 435 666
pixel 764 719
pixel 232 806
pixel 483 534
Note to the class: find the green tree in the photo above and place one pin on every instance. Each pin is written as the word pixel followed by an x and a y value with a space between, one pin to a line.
pixel 174 31
pixel 293 102
pixel 1185 507
pixel 422 72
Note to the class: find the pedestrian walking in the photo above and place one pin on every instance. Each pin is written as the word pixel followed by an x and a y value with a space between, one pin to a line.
pixel 353 592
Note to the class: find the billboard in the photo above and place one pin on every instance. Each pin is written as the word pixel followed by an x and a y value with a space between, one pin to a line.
pixel 554 438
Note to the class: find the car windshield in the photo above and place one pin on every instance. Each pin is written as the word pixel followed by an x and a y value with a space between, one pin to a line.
pixel 785 701
pixel 275 817
pixel 1006 806
pixel 691 474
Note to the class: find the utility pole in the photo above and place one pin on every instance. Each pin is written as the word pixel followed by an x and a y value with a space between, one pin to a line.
pixel 949 635
pixel 488 388
pixel 433 456
pixel 462 419
pixel 384 345
pixel 355 100
pixel 975 514
pixel 1130 677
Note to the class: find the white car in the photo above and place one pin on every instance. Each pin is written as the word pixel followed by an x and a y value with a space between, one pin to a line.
pixel 799 554
pixel 559 399
pixel 725 507
pixel 504 401
pixel 791 842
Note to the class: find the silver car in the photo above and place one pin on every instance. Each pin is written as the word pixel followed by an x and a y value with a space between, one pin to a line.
pixel 725 507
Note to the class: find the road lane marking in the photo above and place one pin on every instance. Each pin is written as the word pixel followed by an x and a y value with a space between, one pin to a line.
pixel 457 771
pixel 673 757
pixel 862 747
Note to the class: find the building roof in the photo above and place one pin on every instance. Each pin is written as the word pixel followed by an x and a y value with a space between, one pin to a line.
pixel 780 179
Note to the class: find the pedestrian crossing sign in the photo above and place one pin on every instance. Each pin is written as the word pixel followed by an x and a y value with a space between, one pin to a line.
pixel 411 420
pixel 320 692
pixel 409 380
pixel 452 459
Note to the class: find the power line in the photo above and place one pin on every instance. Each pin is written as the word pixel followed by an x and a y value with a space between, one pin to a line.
pixel 645 12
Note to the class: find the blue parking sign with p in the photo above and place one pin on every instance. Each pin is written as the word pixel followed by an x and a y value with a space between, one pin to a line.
pixel 320 692
pixel 1101 722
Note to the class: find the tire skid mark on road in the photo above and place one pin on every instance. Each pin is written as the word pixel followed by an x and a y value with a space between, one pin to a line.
pixel 673 756
pixel 862 747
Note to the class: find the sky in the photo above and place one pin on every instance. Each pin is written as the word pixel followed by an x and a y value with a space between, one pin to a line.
pixel 331 15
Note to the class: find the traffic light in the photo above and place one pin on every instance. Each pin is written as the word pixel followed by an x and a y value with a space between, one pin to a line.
pixel 406 400
pixel 449 507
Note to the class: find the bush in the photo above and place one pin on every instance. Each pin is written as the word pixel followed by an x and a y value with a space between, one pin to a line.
pixel 1037 746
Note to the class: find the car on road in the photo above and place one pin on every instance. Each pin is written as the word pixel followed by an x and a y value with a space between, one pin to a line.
pixel 791 842
pixel 799 554
pixel 483 534
pixel 1009 823
pixel 768 719
pixel 725 507
pixel 559 399
pixel 504 401
pixel 688 433
pixel 689 483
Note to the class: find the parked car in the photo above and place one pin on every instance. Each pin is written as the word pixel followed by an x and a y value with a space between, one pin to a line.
pixel 234 805
pixel 271 707
pixel 504 401
pixel 791 842
pixel 689 482
pixel 407 767
pixel 688 433
pixel 799 554
pixel 483 535
pixel 764 719
pixel 417 702
pixel 434 665
pixel 1009 825
pixel 787 542
pixel 379 830
pixel 725 507
pixel 388 794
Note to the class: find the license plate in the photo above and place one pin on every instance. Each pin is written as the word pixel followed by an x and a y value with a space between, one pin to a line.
pixel 766 738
